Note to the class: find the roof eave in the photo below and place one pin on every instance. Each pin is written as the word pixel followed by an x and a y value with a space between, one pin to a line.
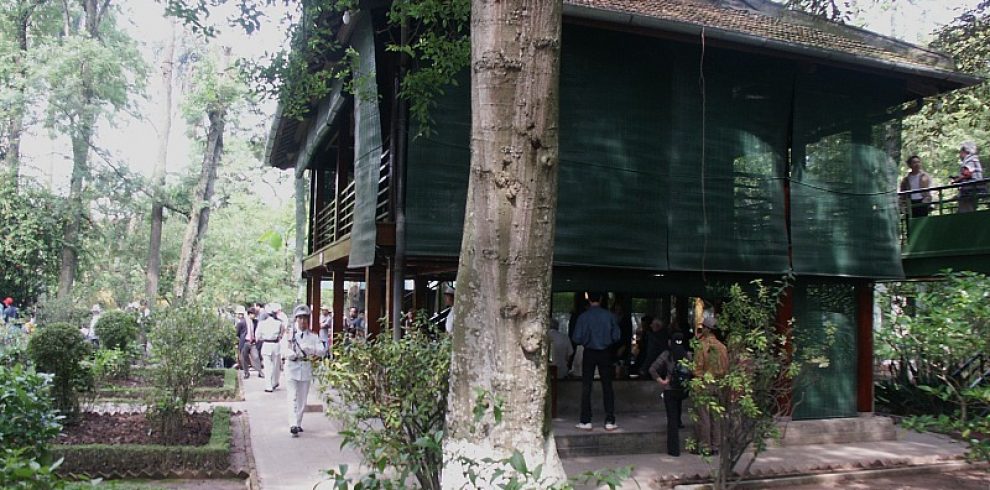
pixel 951 79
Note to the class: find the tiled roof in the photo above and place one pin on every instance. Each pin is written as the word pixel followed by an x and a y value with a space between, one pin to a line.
pixel 768 23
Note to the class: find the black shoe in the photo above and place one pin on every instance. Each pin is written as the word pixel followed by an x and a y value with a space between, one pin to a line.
pixel 246 375
pixel 268 390
pixel 261 375
pixel 300 429
pixel 294 430
pixel 676 455
pixel 275 387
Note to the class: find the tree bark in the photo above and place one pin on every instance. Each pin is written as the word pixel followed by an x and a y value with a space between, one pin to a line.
pixel 15 123
pixel 301 198
pixel 81 136
pixel 154 268
pixel 503 298
pixel 187 276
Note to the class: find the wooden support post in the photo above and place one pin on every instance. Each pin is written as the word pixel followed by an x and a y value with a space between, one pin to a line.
pixel 785 312
pixel 314 285
pixel 420 301
pixel 864 348
pixel 664 311
pixel 339 297
pixel 374 299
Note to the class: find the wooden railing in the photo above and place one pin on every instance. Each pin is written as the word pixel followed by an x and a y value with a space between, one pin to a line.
pixel 945 199
pixel 336 220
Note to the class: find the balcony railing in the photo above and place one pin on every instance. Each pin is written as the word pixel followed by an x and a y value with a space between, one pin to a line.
pixel 945 200
pixel 336 219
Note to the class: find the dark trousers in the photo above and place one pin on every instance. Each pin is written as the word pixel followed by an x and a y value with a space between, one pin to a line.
pixel 672 403
pixel 601 359
pixel 920 209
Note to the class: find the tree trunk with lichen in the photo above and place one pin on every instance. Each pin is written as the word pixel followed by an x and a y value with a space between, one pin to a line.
pixel 154 269
pixel 503 281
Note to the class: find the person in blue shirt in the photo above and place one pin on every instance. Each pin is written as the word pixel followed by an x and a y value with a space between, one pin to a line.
pixel 10 312
pixel 597 331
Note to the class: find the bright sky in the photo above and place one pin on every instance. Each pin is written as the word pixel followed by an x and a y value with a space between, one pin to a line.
pixel 135 141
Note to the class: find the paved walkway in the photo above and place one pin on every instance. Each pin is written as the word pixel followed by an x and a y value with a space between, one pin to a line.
pixel 284 462
pixel 911 448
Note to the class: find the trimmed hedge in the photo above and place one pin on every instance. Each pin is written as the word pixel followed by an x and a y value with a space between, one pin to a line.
pixel 150 461
pixel 206 394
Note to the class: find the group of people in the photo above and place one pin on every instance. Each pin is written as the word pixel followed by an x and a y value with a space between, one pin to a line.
pixel 970 178
pixel 599 337
pixel 267 337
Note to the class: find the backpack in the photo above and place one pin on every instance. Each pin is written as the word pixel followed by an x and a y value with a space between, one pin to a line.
pixel 681 375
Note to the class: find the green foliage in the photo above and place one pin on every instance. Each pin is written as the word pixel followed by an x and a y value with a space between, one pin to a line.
pixel 512 473
pixel 945 121
pixel 933 341
pixel 117 330
pixel 183 342
pixel 60 349
pixel 437 49
pixel 391 397
pixel 32 237
pixel 19 470
pixel 28 421
pixel 109 364
pixel 975 431
pixel 763 362
pixel 936 334
pixel 63 311
pixel 13 346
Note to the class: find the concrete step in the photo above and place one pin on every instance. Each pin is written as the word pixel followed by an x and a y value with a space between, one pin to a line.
pixel 638 433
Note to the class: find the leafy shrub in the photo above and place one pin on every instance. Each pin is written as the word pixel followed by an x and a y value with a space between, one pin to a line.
pixel 13 346
pixel 63 311
pixel 391 397
pixel 20 470
pixel 117 330
pixel 183 341
pixel 60 349
pixel 27 418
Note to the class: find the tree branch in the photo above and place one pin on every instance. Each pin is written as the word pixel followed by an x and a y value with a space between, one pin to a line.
pixel 139 185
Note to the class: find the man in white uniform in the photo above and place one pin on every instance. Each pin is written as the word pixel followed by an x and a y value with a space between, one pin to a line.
pixel 270 333
pixel 301 349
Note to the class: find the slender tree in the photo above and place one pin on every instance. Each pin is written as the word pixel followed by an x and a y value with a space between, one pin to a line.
pixel 15 21
pixel 154 268
pixel 499 359
pixel 82 126
pixel 215 93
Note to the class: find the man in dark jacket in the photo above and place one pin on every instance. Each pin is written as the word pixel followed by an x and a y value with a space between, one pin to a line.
pixel 597 330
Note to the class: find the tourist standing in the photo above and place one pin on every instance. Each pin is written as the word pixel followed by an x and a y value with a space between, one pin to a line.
pixel 448 301
pixel 711 358
pixel 354 324
pixel 597 331
pixel 249 351
pixel 970 171
pixel 270 333
pixel 303 347
pixel 916 180
pixel 671 376
pixel 560 349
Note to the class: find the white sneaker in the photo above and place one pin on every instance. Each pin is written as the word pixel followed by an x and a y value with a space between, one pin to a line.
pixel 610 426
pixel 584 426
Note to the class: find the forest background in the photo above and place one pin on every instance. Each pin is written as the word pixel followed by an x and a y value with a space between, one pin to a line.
pixel 115 118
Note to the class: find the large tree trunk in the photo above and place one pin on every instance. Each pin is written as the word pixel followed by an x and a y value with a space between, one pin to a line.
pixel 154 268
pixel 503 297
pixel 301 198
pixel 190 261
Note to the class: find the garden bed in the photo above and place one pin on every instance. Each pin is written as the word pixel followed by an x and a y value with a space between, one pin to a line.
pixel 117 456
pixel 216 385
